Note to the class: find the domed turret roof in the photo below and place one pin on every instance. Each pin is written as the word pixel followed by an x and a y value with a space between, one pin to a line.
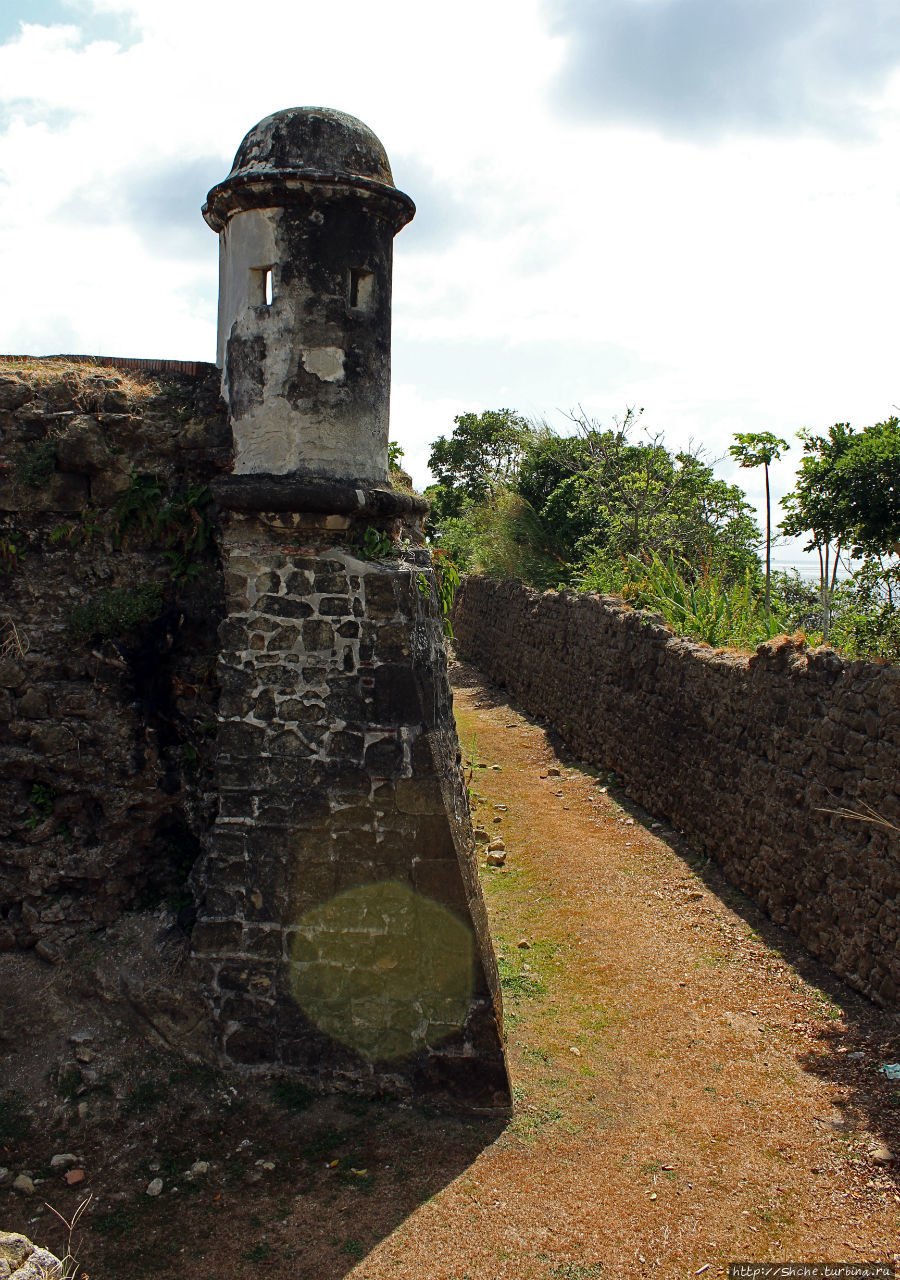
pixel 313 138
pixel 299 147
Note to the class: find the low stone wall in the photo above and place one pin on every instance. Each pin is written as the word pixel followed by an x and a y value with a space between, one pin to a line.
pixel 744 752
pixel 107 707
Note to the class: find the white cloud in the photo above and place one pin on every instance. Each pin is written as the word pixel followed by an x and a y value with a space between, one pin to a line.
pixel 723 285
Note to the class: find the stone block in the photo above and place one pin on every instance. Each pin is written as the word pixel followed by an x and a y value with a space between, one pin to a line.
pixel 397 696
pixel 236 804
pixel 318 636
pixel 425 750
pixel 279 675
pixel 384 759
pixel 345 746
pixel 334 606
pixel 52 740
pixel 346 701
pixel 299 582
pixel 262 707
pixel 12 676
pixel 305 806
pixel 392 643
pixel 250 1046
pixel 283 639
pixel 33 705
pixel 83 448
pixel 332 584
pixel 265 942
pixel 419 795
pixel 267 584
pixel 440 880
pixel 311 884
pixel 233 634
pixel 283 607
pixel 217 936
pixel 14 393
pixel 380 598
pixel 349 784
pixel 352 844
pixel 287 743
pixel 301 712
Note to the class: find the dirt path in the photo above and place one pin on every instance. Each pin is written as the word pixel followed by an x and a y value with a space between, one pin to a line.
pixel 689 1092
pixel 691 1089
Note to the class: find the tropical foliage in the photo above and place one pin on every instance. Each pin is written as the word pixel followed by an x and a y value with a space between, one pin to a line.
pixel 612 509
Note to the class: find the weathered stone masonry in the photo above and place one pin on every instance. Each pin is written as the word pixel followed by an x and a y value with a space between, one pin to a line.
pixel 112 730
pixel 338 772
pixel 744 752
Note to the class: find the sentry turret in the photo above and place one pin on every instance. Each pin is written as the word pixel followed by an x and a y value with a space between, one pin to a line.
pixel 306 220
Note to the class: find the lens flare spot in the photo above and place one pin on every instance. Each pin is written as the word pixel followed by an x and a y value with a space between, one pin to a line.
pixel 383 970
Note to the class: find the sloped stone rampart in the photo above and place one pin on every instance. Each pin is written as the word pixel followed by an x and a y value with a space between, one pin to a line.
pixel 744 752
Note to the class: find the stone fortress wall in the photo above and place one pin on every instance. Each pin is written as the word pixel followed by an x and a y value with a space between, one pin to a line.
pixel 223 676
pixel 105 732
pixel 746 753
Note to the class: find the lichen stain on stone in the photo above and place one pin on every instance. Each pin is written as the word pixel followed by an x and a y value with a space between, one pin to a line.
pixel 327 363
pixel 245 359
pixel 383 970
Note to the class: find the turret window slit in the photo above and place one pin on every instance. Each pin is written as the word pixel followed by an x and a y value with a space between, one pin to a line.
pixel 362 289
pixel 260 289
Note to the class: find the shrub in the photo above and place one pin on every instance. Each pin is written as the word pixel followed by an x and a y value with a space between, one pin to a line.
pixel 116 612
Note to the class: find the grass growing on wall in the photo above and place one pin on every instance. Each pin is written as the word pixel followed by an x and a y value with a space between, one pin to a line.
pixel 703 607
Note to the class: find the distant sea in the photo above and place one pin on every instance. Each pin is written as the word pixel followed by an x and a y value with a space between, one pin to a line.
pixel 806 565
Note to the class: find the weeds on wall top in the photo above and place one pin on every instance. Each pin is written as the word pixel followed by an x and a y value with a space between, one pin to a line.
pixel 87 384
pixel 376 545
pixel 702 606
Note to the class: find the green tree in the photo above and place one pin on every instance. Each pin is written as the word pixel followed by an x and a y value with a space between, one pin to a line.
pixel 847 496
pixel 625 496
pixel 482 454
pixel 519 499
pixel 814 507
pixel 866 485
pixel 503 538
pixel 761 449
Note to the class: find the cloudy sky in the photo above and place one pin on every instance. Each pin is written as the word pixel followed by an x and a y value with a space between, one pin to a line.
pixel 685 205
